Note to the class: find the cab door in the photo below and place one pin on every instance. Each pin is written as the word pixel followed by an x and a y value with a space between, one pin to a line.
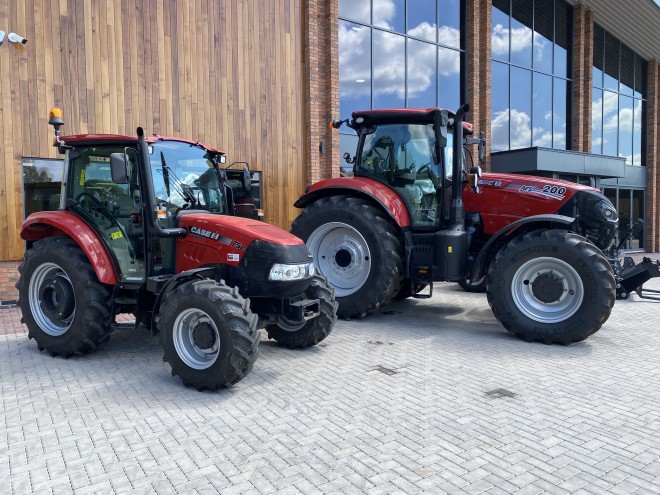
pixel 113 210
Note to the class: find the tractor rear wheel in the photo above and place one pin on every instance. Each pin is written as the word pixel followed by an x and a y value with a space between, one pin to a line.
pixel 310 332
pixel 551 286
pixel 357 247
pixel 65 307
pixel 209 335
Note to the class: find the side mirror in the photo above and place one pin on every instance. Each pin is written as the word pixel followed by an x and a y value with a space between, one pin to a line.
pixel 481 146
pixel 475 175
pixel 347 157
pixel 119 168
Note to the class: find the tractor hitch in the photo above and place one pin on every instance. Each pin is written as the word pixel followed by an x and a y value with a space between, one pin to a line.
pixel 632 277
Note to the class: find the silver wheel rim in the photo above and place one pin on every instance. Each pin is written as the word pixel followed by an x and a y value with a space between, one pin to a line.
pixel 185 325
pixel 565 280
pixel 43 272
pixel 342 255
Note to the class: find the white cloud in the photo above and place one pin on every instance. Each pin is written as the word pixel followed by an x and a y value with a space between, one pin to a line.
pixel 521 39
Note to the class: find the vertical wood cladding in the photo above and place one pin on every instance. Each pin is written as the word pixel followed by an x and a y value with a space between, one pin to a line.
pixel 228 73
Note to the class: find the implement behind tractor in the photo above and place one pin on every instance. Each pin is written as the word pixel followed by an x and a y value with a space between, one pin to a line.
pixel 413 213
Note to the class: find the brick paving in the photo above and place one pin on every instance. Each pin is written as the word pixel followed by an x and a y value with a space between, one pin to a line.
pixel 430 396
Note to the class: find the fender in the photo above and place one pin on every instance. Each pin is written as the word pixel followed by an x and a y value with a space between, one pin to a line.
pixel 44 224
pixel 478 267
pixel 173 283
pixel 383 194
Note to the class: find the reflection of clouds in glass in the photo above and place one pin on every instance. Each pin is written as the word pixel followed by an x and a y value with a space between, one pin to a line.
pixel 390 76
pixel 384 11
pixel 354 60
pixel 521 129
pixel 521 39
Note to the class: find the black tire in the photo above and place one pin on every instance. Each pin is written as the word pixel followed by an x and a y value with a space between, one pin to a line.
pixel 365 266
pixel 208 333
pixel 470 287
pixel 65 307
pixel 551 286
pixel 311 332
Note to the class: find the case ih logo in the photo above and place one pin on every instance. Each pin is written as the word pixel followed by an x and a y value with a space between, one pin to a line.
pixel 204 233
pixel 488 182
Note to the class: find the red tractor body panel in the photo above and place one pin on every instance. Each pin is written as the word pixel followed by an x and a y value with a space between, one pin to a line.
pixel 505 198
pixel 223 239
pixel 89 139
pixel 50 223
pixel 383 193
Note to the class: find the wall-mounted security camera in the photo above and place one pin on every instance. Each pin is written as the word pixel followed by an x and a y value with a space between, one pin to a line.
pixel 15 38
pixel 2 37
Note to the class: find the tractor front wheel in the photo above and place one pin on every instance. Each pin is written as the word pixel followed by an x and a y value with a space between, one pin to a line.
pixel 209 335
pixel 551 286
pixel 357 247
pixel 308 333
pixel 65 307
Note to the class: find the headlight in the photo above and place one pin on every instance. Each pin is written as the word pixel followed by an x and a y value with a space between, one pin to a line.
pixel 286 272
pixel 607 210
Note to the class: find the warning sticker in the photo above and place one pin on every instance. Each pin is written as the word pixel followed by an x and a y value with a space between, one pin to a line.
pixel 232 257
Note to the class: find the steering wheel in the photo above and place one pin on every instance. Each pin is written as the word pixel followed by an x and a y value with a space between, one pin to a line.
pixel 108 214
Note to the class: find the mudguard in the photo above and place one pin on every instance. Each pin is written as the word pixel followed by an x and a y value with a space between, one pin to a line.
pixel 478 266
pixel 44 224
pixel 383 194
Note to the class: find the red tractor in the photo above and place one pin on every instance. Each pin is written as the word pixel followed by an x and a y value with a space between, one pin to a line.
pixel 146 226
pixel 412 214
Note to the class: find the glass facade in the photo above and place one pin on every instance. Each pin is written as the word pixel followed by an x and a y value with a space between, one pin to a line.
pixel 398 53
pixel 618 103
pixel 531 86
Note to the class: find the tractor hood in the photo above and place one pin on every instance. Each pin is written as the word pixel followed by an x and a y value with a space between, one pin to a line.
pixel 505 198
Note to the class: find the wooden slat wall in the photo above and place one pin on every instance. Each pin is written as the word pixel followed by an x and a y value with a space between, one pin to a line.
pixel 225 72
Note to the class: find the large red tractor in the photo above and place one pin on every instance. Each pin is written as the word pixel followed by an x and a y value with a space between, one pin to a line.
pixel 412 213
pixel 146 227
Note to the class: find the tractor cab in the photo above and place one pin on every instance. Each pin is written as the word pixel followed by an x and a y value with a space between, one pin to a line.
pixel 413 155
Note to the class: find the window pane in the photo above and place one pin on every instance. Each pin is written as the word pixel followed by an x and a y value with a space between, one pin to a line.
pixel 449 73
pixel 389 14
pixel 500 34
pixel 521 32
pixel 611 62
pixel 625 128
pixel 421 80
pixel 559 114
pixel 388 70
pixel 449 22
pixel 627 73
pixel 500 113
pixel 638 214
pixel 543 35
pixel 542 106
pixel 610 122
pixel 625 222
pixel 521 108
pixel 358 10
pixel 421 19
pixel 597 121
pixel 639 78
pixel 599 48
pixel 42 183
pixel 354 68
pixel 637 133
pixel 562 30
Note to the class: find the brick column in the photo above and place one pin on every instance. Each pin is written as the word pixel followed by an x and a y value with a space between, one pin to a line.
pixel 653 158
pixel 583 54
pixel 478 68
pixel 321 73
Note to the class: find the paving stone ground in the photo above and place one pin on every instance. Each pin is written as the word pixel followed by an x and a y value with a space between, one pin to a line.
pixel 396 403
